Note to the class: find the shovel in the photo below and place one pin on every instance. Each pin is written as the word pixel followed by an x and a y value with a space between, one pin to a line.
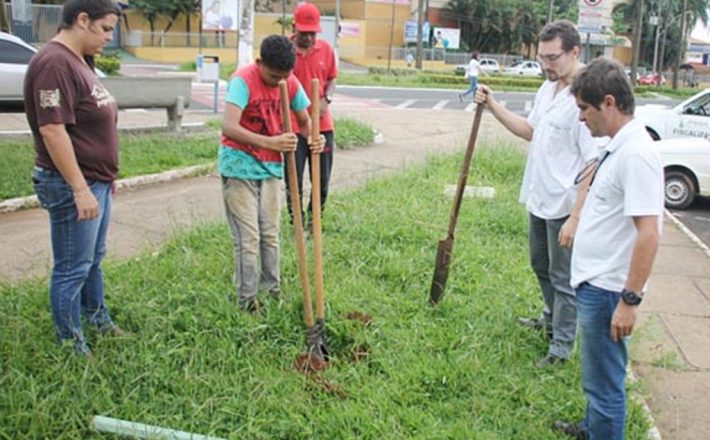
pixel 298 234
pixel 446 246
pixel 317 229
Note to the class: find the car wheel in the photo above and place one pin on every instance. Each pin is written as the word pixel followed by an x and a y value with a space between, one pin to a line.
pixel 679 190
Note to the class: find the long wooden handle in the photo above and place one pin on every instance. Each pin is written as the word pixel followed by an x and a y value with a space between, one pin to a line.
pixel 296 205
pixel 463 177
pixel 315 201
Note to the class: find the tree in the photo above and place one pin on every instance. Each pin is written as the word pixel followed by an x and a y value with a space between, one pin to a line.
pixel 170 9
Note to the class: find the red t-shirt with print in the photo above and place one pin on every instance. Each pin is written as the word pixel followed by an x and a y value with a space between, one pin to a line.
pixel 60 88
pixel 318 62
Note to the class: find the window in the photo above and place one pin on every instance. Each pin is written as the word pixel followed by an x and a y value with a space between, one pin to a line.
pixel 12 53
pixel 700 106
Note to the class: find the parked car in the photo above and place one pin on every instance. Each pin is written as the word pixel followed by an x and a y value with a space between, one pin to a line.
pixel 686 166
pixel 15 54
pixel 488 65
pixel 524 67
pixel 690 118
pixel 651 79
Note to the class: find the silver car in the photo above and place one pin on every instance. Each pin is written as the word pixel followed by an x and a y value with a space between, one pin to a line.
pixel 15 54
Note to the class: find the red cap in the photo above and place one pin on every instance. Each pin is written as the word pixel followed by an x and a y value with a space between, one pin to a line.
pixel 307 18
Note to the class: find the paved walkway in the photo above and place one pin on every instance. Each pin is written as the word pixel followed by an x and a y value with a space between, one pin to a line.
pixel 671 352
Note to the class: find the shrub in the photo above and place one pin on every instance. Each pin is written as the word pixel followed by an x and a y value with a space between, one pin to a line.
pixel 395 71
pixel 108 64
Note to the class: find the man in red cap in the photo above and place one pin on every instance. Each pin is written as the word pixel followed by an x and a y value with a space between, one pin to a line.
pixel 315 58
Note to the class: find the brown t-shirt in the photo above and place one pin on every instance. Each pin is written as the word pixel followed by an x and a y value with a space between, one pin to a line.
pixel 61 89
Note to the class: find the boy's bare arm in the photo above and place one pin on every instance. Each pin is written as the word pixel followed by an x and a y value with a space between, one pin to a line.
pixel 232 129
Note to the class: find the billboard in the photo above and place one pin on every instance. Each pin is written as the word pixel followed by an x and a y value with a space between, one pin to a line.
pixel 446 38
pixel 219 15
pixel 410 31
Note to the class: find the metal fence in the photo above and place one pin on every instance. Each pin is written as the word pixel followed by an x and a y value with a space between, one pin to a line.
pixel 40 26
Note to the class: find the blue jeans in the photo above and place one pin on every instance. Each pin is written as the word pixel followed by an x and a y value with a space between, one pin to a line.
pixel 603 364
pixel 78 247
pixel 472 85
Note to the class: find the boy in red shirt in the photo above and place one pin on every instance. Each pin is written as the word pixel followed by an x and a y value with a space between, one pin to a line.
pixel 251 164
pixel 315 58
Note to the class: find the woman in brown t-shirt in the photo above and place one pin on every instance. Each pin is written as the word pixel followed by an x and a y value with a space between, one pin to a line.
pixel 73 121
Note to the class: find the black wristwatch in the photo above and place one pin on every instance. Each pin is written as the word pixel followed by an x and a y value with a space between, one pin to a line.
pixel 328 99
pixel 630 297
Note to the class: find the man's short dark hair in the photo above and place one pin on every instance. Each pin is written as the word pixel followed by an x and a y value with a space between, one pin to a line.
pixel 565 30
pixel 604 77
pixel 278 53
pixel 95 9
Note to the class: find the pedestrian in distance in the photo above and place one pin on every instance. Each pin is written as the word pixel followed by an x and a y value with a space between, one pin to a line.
pixel 315 58
pixel 73 121
pixel 251 164
pixel 616 244
pixel 472 72
pixel 560 145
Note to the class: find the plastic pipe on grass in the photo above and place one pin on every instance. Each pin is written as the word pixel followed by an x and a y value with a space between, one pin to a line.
pixel 140 430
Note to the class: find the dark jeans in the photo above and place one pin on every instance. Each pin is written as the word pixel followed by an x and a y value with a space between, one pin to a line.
pixel 303 155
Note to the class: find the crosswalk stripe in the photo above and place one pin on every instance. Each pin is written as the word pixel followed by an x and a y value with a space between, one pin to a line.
pixel 470 107
pixel 528 106
pixel 406 103
pixel 441 104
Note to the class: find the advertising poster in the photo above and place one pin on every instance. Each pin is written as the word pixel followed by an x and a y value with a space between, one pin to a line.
pixel 219 15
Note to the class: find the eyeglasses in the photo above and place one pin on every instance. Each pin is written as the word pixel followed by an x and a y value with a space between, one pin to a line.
pixel 550 58
pixel 591 168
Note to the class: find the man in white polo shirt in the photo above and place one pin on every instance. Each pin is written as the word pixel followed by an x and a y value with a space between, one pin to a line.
pixel 560 146
pixel 616 243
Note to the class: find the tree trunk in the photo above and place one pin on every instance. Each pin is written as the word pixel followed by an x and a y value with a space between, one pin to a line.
pixel 4 26
pixel 637 41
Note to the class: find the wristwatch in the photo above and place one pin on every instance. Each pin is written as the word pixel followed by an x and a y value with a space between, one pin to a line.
pixel 630 297
pixel 328 98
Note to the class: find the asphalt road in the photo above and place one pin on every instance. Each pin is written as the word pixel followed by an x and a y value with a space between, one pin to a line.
pixel 697 218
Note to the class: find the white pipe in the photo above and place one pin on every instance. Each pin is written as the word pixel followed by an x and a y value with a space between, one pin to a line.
pixel 140 430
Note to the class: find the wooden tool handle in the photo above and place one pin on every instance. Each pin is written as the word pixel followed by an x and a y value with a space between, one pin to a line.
pixel 316 201
pixel 296 205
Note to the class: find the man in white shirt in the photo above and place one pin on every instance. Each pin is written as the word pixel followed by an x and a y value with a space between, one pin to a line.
pixel 560 145
pixel 616 244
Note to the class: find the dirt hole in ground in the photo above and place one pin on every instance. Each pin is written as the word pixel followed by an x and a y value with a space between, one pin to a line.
pixel 309 363
pixel 359 316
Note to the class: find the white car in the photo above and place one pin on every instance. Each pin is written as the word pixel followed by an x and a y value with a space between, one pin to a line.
pixel 524 67
pixel 690 118
pixel 488 65
pixel 686 165
pixel 15 54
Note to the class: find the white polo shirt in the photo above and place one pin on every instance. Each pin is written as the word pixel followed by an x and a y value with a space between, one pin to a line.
pixel 628 183
pixel 560 147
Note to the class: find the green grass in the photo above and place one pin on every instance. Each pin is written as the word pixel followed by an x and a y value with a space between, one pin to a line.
pixel 461 370
pixel 351 133
pixel 140 154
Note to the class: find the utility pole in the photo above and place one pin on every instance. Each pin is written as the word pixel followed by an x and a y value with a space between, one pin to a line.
pixel 246 34
pixel 683 44
pixel 336 44
pixel 550 6
pixel 389 49
pixel 637 42
pixel 420 31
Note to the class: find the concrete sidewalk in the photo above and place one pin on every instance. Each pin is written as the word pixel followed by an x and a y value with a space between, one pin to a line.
pixel 671 350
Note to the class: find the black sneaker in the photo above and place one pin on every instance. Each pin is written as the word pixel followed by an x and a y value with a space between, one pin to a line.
pixel 460 97
pixel 252 306
pixel 550 361
pixel 572 430
pixel 533 323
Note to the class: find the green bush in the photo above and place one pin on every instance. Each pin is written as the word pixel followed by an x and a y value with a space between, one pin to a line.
pixel 491 80
pixel 108 64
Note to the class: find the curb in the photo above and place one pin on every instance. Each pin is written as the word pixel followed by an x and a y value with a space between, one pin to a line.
pixel 19 203
pixel 694 238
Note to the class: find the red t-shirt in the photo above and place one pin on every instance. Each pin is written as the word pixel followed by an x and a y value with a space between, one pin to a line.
pixel 262 113
pixel 61 89
pixel 318 62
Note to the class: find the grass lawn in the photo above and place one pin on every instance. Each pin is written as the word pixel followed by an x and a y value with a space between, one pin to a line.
pixel 140 154
pixel 196 363
pixel 151 153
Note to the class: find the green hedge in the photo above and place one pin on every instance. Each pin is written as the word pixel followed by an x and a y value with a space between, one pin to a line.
pixel 108 64
pixel 493 81
pixel 395 71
